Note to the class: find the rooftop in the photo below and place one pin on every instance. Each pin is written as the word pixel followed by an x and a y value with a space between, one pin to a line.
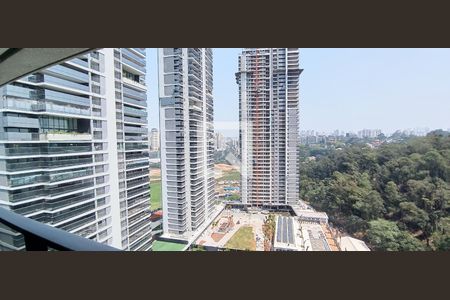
pixel 285 233
pixel 348 243
pixel 315 239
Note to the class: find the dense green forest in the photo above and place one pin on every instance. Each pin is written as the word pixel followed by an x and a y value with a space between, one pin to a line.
pixel 395 197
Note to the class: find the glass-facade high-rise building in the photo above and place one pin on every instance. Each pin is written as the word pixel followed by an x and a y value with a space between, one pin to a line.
pixel 74 149
pixel 187 139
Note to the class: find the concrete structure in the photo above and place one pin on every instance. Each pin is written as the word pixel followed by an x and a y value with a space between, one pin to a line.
pixel 154 140
pixel 348 243
pixel 16 63
pixel 187 140
pixel 74 148
pixel 268 81
pixel 312 216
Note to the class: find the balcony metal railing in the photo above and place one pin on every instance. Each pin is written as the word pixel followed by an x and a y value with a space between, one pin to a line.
pixel 41 237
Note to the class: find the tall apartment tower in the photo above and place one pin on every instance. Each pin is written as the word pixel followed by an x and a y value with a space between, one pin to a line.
pixel 187 139
pixel 154 139
pixel 74 149
pixel 268 80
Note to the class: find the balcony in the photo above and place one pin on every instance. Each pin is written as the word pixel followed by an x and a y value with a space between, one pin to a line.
pixel 132 129
pixel 134 111
pixel 45 79
pixel 44 164
pixel 68 73
pixel 134 83
pixel 41 237
pixel 133 65
pixel 132 56
pixel 43 149
pixel 134 102
pixel 23 122
pixel 69 136
pixel 140 50
pixel 134 120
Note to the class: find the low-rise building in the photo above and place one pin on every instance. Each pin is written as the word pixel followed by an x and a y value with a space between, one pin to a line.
pixel 308 215
pixel 348 243
pixel 286 234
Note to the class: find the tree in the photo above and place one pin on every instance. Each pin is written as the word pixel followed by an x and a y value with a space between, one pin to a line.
pixel 412 216
pixel 441 237
pixel 385 235
pixel 370 206
pixel 392 196
pixel 405 183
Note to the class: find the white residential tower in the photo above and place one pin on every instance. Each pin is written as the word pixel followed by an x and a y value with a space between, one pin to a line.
pixel 187 139
pixel 268 81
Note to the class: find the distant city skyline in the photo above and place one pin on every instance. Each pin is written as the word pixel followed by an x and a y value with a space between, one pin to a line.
pixel 344 89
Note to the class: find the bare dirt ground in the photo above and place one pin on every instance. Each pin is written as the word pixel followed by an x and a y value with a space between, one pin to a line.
pixel 217 236
pixel 155 174
pixel 225 167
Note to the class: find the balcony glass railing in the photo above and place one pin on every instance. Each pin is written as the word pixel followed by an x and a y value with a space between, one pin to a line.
pixel 133 93
pixel 51 192
pixel 68 73
pixel 131 55
pixel 139 225
pixel 37 236
pixel 65 83
pixel 78 223
pixel 80 62
pixel 136 138
pixel 132 146
pixel 70 175
pixel 24 122
pixel 140 50
pixel 135 120
pixel 46 164
pixel 52 204
pixel 19 136
pixel 133 101
pixel 16 91
pixel 40 178
pixel 126 61
pixel 52 107
pixel 134 111
pixel 135 129
pixel 45 149
pixel 134 174
pixel 57 217
pixel 137 191
pixel 139 199
pixel 133 183
pixel 66 98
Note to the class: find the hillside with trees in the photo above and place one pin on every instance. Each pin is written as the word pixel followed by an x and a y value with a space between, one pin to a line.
pixel 395 197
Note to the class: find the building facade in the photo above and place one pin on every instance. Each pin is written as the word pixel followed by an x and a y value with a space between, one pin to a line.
pixel 154 139
pixel 74 149
pixel 187 139
pixel 220 144
pixel 268 80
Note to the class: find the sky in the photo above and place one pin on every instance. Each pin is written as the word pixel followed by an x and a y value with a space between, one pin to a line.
pixel 344 89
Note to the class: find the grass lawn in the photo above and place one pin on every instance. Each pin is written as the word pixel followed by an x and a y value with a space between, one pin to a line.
pixel 230 175
pixel 155 191
pixel 167 246
pixel 243 239
pixel 233 197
